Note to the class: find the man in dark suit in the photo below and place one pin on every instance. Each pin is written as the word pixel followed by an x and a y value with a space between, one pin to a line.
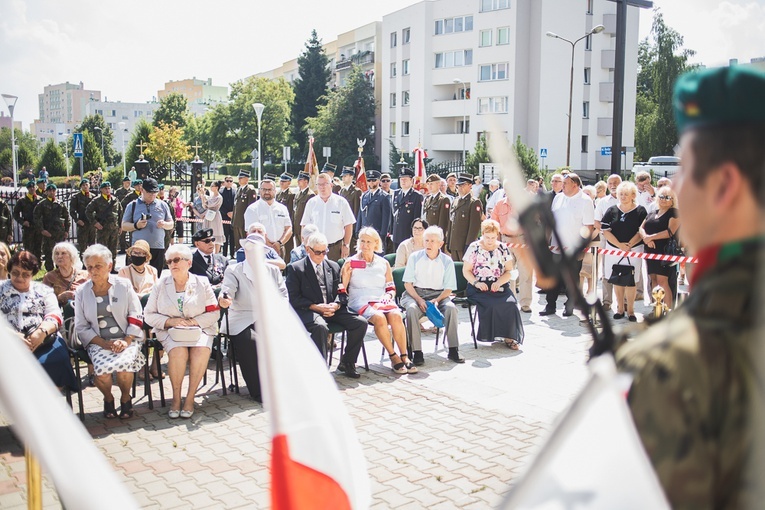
pixel 312 284
pixel 204 262
pixel 407 207
pixel 227 212
pixel 375 209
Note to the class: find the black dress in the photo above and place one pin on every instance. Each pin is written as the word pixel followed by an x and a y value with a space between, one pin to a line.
pixel 653 225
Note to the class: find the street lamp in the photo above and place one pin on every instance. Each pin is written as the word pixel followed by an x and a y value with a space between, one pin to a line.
pixel 122 140
pixel 464 118
pixel 258 107
pixel 10 100
pixel 98 128
pixel 595 30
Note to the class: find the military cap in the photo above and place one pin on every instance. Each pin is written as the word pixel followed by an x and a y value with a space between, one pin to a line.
pixel 137 182
pixel 329 167
pixel 464 178
pixel 150 185
pixel 721 96
pixel 105 184
pixel 433 178
pixel 126 179
pixel 270 177
pixel 373 175
pixel 303 175
pixel 385 176
pixel 84 181
pixel 30 184
pixel 161 186
pixel 406 172
pixel 286 177
pixel 348 170
pixel 244 173
pixel 41 180
pixel 50 186
pixel 202 234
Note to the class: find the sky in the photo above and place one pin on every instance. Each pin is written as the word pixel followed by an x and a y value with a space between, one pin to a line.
pixel 129 49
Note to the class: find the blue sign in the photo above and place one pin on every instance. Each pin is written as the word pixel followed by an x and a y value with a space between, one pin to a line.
pixel 77 137
pixel 605 151
pixel 542 153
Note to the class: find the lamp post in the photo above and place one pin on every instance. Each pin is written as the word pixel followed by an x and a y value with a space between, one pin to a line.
pixel 464 118
pixel 258 107
pixel 595 30
pixel 122 140
pixel 98 128
pixel 10 100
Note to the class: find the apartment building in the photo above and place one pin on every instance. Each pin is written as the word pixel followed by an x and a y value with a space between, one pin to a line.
pixel 201 92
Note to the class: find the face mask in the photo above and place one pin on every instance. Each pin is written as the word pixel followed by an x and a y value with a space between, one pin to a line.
pixel 137 261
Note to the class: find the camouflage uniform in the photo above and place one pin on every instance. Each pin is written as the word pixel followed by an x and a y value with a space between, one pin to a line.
pixel 6 223
pixel 24 212
pixel 108 213
pixel 121 193
pixel 86 234
pixel 51 215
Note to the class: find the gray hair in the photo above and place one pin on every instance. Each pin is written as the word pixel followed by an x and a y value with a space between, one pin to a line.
pixel 72 251
pixel 180 250
pixel 307 231
pixel 256 227
pixel 434 230
pixel 642 176
pixel 98 251
pixel 316 239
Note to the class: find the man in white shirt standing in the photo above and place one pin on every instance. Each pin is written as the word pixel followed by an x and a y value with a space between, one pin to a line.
pixel 334 217
pixel 496 194
pixel 646 192
pixel 574 216
pixel 272 214
pixel 601 206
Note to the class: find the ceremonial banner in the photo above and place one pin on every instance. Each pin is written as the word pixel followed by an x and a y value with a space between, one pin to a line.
pixel 361 176
pixel 311 165
pixel 419 168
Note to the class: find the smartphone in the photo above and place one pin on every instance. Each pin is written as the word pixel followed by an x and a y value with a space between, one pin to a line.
pixel 358 264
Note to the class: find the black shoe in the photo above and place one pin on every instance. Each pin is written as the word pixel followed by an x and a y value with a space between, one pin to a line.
pixel 418 359
pixel 547 311
pixel 348 370
pixel 568 312
pixel 455 356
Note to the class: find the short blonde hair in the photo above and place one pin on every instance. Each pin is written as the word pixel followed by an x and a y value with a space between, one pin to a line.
pixel 369 232
pixel 628 187
pixel 489 226
pixel 601 186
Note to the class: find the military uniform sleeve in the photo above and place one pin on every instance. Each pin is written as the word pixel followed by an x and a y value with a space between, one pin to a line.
pixel 38 214
pixel 65 217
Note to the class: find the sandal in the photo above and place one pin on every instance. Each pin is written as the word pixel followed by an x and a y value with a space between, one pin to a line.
pixel 397 365
pixel 126 410
pixel 512 344
pixel 109 410
pixel 410 368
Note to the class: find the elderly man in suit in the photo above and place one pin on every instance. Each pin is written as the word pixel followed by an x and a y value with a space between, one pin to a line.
pixel 375 209
pixel 204 261
pixel 313 284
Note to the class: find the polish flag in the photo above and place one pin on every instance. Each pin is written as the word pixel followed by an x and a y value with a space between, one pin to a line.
pixel 419 168
pixel 311 165
pixel 316 458
pixel 361 175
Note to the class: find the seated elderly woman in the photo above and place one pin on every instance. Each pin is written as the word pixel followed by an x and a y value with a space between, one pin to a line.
pixel 183 312
pixel 107 319
pixel 272 257
pixel 486 267
pixel 411 245
pixel 68 274
pixel 298 252
pixel 5 257
pixel 368 279
pixel 31 310
pixel 141 274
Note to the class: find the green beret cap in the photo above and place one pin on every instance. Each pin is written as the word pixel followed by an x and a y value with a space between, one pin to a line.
pixel 31 184
pixel 161 186
pixel 138 182
pixel 41 180
pixel 50 187
pixel 720 96
pixel 84 181
pixel 105 184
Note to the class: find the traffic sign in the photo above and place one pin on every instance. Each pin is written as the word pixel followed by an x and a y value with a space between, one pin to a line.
pixel 605 151
pixel 542 153
pixel 77 145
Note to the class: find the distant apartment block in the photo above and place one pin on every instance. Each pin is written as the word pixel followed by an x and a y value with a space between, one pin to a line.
pixel 199 92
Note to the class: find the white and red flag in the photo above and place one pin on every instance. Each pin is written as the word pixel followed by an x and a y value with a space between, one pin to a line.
pixel 361 174
pixel 419 168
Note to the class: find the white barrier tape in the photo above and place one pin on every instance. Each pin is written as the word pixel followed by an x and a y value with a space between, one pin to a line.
pixel 632 254
pixel 199 220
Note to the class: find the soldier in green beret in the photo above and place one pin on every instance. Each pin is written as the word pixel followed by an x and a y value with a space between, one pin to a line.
pixel 41 183
pixel 51 219
pixel 86 234
pixel 698 392
pixel 6 222
pixel 23 213
pixel 105 214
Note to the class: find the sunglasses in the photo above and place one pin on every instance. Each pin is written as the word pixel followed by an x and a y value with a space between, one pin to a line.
pixel 318 252
pixel 207 241
pixel 175 260
pixel 665 197
pixel 385 180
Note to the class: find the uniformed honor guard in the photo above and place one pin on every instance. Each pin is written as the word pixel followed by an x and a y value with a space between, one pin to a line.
pixel 245 195
pixel 330 169
pixel 375 208
pixel 23 213
pixel 437 206
pixel 105 214
pixel 301 199
pixel 352 194
pixel 287 198
pixel 52 220
pixel 697 395
pixel 77 205
pixel 41 183
pixel 407 207
pixel 465 218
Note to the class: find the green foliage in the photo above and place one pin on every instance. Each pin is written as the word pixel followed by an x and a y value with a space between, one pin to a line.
pixel 89 124
pixel 348 115
pixel 661 61
pixel 141 133
pixel 166 145
pixel 91 151
pixel 197 132
pixel 527 157
pixel 73 181
pixel 479 155
pixel 26 153
pixel 394 158
pixel 172 108
pixel 114 177
pixel 52 159
pixel 310 89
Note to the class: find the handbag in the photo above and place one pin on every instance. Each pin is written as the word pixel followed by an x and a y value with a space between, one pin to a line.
pixel 622 275
pixel 434 314
pixel 672 248
pixel 210 215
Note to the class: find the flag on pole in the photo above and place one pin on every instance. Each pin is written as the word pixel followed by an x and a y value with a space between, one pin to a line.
pixel 316 458
pixel 361 175
pixel 594 458
pixel 311 165
pixel 419 168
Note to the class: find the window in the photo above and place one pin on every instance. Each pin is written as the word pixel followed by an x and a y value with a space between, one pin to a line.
pixel 100 112
pixel 137 113
pixel 492 72
pixel 588 43
pixel 112 113
pixel 393 100
pixel 406 35
pixel 457 58
pixel 392 129
pixel 492 105
pixel 463 127
pixel 405 67
pixel 587 73
pixel 584 143
pixel 405 98
pixel 586 110
pixel 503 36
pixel 484 38
pixel 393 39
pixel 393 70
pixel 405 128
pixel 494 5
pixel 451 25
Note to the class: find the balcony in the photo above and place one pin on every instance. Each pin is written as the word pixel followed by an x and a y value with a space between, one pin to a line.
pixel 605 126
pixel 606 92
pixel 609 21
pixel 449 142
pixel 450 108
pixel 608 59
pixel 361 58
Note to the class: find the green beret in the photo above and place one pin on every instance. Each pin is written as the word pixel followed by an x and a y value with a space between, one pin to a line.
pixel 720 96
pixel 105 184
pixel 41 180
pixel 50 187
pixel 138 182
pixel 84 181
pixel 30 184
pixel 126 179
pixel 161 186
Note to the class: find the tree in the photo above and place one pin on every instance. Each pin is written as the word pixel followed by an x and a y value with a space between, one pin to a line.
pixel 527 157
pixel 348 115
pixel 661 61
pixel 53 159
pixel 172 108
pixel 89 124
pixel 166 147
pixel 310 88
pixel 479 155
pixel 197 132
pixel 26 151
pixel 141 134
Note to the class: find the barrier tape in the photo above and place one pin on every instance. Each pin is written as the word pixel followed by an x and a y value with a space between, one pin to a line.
pixel 199 220
pixel 632 254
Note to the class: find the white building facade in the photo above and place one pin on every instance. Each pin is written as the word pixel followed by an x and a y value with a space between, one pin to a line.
pixel 448 65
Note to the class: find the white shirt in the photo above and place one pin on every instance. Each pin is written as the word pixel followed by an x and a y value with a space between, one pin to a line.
pixel 603 204
pixel 426 273
pixel 645 199
pixel 331 216
pixel 495 197
pixel 571 214
pixel 275 217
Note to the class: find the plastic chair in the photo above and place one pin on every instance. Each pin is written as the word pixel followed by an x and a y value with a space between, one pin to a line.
pixel 391 258
pixel 334 329
pixel 460 291
pixel 150 341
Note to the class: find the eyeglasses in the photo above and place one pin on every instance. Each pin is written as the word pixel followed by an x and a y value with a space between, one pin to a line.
pixel 417 228
pixel 229 180
pixel 21 275
pixel 175 260
pixel 318 252
pixel 385 180
pixel 207 241
pixel 665 197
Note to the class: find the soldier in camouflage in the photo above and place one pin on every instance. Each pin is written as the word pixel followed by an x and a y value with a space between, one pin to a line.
pixel 23 213
pixel 105 214
pixel 121 193
pixel 86 234
pixel 6 223
pixel 52 221
pixel 697 395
